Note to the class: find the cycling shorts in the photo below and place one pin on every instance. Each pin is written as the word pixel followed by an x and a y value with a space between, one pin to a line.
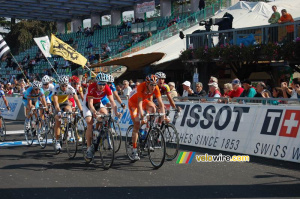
pixel 134 109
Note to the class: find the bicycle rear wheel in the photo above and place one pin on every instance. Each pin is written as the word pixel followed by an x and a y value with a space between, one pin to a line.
pixel 71 139
pixel 42 131
pixel 156 148
pixel 28 134
pixel 3 130
pixel 117 136
pixel 172 141
pixel 128 142
pixel 84 147
pixel 106 149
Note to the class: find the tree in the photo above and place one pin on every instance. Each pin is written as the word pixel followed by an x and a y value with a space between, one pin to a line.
pixel 21 35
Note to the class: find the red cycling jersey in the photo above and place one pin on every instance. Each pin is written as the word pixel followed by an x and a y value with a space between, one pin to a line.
pixel 94 92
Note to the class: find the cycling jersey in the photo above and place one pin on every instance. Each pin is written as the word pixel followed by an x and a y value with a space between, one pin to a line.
pixel 141 92
pixel 34 97
pixel 105 100
pixel 164 89
pixel 48 93
pixel 94 92
pixel 63 95
pixel 2 94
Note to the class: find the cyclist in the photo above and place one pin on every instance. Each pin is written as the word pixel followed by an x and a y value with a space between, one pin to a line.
pixel 92 103
pixel 2 95
pixel 48 89
pixel 164 88
pixel 112 87
pixel 139 102
pixel 75 83
pixel 61 103
pixel 31 99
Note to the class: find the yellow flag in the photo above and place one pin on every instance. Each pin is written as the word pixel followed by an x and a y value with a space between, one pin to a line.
pixel 58 47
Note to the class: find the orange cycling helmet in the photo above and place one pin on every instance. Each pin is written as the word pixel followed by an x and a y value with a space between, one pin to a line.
pixel 75 79
pixel 152 79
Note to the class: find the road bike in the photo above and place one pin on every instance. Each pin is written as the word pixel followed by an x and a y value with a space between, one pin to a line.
pixel 2 127
pixel 150 142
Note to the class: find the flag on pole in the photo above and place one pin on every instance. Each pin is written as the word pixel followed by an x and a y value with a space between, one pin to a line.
pixel 4 49
pixel 58 47
pixel 44 45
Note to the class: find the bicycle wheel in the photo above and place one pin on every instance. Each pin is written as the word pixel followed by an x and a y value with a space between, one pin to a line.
pixel 71 140
pixel 84 147
pixel 156 147
pixel 3 130
pixel 42 131
pixel 80 128
pixel 50 125
pixel 106 148
pixel 172 141
pixel 128 142
pixel 116 131
pixel 28 134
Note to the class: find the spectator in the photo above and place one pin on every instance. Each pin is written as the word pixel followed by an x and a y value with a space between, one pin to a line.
pixel 91 58
pixel 277 93
pixel 90 45
pixel 79 29
pixel 262 91
pixel 248 90
pixel 287 18
pixel 25 59
pixel 128 25
pixel 187 91
pixel 67 64
pixel 173 91
pixel 106 52
pixel 292 92
pixel 213 91
pixel 126 89
pixel 201 5
pixel 199 92
pixel 227 89
pixel 237 89
pixel 274 20
pixel 119 89
pixel 75 46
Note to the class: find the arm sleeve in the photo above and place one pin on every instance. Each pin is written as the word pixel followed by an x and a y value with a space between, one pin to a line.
pixel 157 92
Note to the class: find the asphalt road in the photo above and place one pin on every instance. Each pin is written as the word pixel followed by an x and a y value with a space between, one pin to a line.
pixel 32 172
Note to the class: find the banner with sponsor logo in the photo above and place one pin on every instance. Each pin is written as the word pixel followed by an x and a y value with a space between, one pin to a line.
pixel 267 131
pixel 145 7
pixel 15 104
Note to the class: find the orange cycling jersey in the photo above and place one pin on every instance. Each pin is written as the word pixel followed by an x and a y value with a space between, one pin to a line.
pixel 142 92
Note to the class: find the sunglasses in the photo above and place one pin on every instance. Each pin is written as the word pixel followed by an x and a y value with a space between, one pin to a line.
pixel 101 83
pixel 64 85
pixel 36 89
pixel 75 83
pixel 153 85
pixel 46 84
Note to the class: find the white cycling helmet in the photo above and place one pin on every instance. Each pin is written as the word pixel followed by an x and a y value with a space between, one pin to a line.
pixel 36 84
pixel 63 79
pixel 46 79
pixel 161 75
pixel 111 78
pixel 101 77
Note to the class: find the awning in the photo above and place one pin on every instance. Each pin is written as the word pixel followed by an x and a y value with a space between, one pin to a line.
pixel 135 62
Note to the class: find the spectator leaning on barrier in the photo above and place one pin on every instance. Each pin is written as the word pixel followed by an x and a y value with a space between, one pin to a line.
pixel 227 89
pixel 274 20
pixel 213 91
pixel 126 89
pixel 277 93
pixel 199 92
pixel 237 89
pixel 287 18
pixel 262 91
pixel 173 91
pixel 294 92
pixel 187 91
pixel 248 90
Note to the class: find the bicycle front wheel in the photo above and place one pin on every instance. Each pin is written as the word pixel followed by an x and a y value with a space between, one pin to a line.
pixel 117 136
pixel 28 134
pixel 71 141
pixel 42 132
pixel 172 141
pixel 128 142
pixel 106 149
pixel 156 147
pixel 2 130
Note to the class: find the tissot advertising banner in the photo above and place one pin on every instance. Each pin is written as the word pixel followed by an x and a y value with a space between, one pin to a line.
pixel 267 131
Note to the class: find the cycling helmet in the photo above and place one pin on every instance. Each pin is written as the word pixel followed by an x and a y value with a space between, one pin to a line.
pixel 36 84
pixel 151 79
pixel 63 79
pixel 111 78
pixel 46 79
pixel 75 79
pixel 161 75
pixel 101 77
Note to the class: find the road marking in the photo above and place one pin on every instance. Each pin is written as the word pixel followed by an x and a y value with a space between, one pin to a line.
pixel 14 132
pixel 22 143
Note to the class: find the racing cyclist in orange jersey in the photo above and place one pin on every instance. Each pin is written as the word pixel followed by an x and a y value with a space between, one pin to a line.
pixel 164 89
pixel 139 102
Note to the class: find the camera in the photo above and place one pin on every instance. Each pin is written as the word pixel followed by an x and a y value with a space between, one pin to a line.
pixel 224 23
pixel 210 22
